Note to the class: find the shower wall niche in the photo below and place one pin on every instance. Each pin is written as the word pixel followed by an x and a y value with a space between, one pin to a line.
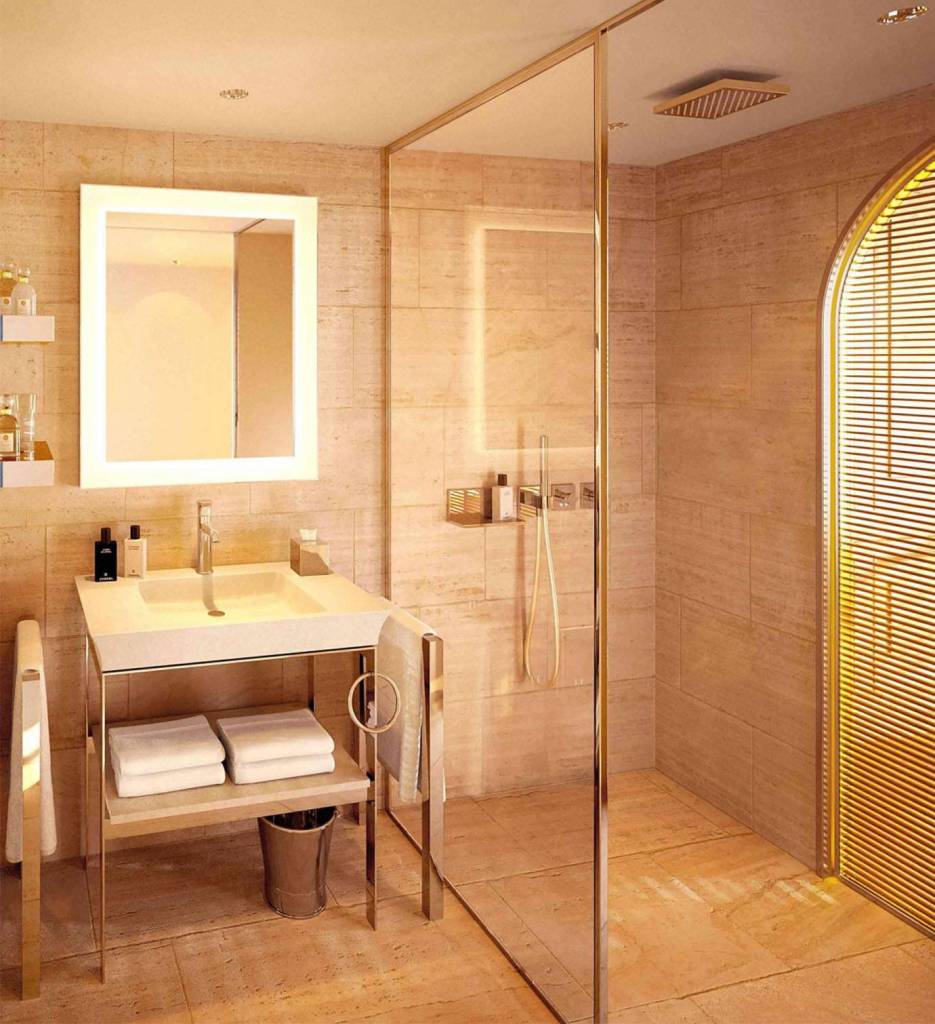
pixel 492 345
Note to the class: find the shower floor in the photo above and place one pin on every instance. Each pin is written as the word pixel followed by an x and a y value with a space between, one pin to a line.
pixel 707 920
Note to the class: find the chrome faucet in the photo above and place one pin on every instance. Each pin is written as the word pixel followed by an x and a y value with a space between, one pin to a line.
pixel 207 538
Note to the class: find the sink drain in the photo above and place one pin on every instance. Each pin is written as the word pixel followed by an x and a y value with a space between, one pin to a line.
pixel 216 612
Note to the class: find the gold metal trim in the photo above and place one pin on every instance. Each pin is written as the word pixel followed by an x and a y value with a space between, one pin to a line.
pixel 601 525
pixel 524 74
pixel 828 603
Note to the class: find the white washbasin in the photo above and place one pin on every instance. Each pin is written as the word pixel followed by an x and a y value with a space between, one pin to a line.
pixel 239 612
pixel 257 594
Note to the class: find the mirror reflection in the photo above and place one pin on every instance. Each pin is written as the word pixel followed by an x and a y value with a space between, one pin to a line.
pixel 200 317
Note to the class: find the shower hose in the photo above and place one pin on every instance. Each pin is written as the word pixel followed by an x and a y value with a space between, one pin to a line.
pixel 543 542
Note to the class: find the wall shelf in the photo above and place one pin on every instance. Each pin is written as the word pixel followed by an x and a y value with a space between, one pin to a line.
pixel 38 472
pixel 228 801
pixel 27 329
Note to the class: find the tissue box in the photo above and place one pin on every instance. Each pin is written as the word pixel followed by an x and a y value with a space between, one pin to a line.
pixel 309 557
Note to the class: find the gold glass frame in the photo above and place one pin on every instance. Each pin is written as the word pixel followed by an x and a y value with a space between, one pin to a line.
pixel 828 597
pixel 595 40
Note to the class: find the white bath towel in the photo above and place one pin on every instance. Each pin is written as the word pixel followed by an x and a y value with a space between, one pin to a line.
pixel 399 656
pixel 169 781
pixel 280 768
pixel 164 746
pixel 250 738
pixel 28 656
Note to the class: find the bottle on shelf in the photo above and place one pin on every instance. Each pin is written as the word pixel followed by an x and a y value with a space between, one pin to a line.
pixel 7 284
pixel 9 429
pixel 24 295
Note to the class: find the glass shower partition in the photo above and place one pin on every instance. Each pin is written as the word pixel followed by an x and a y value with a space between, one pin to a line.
pixel 491 363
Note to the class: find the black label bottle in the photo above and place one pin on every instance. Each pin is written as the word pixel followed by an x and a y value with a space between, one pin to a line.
pixel 105 557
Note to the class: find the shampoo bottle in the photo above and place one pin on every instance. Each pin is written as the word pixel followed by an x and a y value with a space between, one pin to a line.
pixel 502 501
pixel 105 557
pixel 134 554
pixel 24 295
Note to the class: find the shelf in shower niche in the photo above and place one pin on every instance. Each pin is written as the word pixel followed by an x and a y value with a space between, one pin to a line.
pixel 471 507
pixel 486 522
pixel 38 472
pixel 34 329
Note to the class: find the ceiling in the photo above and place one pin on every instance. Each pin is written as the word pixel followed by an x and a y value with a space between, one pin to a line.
pixel 832 53
pixel 360 72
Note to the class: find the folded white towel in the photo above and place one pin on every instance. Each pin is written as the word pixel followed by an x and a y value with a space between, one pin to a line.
pixel 28 655
pixel 164 746
pixel 280 768
pixel 280 734
pixel 169 781
pixel 399 655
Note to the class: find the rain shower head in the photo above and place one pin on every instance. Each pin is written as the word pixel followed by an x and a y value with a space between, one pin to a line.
pixel 720 98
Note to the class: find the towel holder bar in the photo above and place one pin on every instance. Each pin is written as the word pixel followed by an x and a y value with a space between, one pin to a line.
pixel 373 730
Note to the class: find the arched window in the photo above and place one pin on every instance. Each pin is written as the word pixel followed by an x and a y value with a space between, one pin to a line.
pixel 879 549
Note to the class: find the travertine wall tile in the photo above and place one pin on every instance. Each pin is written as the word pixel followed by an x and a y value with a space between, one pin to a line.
pixel 693 183
pixel 784 796
pixel 348 175
pixel 785 346
pixel 704 356
pixel 519 183
pixel 840 147
pixel 75 155
pixel 784 560
pixel 703 552
pixel 705 750
pixel 435 181
pixel 21 154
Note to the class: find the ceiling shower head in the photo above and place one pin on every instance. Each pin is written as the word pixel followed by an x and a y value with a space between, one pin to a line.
pixel 720 98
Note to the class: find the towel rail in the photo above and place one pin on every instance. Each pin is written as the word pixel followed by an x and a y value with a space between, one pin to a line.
pixel 30 766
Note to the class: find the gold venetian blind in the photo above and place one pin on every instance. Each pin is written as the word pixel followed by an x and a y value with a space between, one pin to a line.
pixel 884 511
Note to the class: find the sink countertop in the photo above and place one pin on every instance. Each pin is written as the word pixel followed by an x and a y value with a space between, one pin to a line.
pixel 172 616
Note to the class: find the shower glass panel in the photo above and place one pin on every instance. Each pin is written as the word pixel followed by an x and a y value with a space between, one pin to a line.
pixel 491 369
pixel 726 206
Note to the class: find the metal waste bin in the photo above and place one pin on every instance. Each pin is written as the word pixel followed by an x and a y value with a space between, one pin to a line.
pixel 295 860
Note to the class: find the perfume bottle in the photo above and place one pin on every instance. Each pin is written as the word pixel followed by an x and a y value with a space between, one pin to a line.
pixel 9 429
pixel 24 295
pixel 7 284
pixel 105 557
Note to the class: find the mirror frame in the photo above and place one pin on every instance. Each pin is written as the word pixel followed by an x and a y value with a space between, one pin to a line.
pixel 96 469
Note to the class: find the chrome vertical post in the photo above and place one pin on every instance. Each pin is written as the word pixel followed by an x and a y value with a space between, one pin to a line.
pixel 433 779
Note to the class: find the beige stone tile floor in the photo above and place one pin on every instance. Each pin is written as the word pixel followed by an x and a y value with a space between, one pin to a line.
pixel 706 918
pixel 708 923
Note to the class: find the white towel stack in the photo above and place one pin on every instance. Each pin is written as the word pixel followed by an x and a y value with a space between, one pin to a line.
pixel 164 757
pixel 279 745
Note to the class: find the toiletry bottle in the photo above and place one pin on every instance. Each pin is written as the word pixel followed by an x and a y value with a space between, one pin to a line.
pixel 7 284
pixel 24 295
pixel 105 557
pixel 9 429
pixel 503 501
pixel 134 554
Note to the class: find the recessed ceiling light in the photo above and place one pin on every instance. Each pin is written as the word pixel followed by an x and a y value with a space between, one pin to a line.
pixel 234 94
pixel 902 14
pixel 615 125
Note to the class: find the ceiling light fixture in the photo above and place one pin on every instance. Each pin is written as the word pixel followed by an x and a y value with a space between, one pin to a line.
pixel 233 94
pixel 902 14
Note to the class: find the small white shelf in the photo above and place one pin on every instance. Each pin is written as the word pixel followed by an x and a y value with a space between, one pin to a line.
pixel 228 801
pixel 38 472
pixel 27 329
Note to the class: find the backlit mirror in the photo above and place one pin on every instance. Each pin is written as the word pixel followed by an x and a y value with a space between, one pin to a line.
pixel 197 337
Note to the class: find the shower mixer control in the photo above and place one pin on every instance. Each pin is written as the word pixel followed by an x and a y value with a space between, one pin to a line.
pixel 587 495
pixel 562 497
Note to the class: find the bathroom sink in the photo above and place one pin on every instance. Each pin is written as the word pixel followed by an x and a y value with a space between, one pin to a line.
pixel 263 594
pixel 238 612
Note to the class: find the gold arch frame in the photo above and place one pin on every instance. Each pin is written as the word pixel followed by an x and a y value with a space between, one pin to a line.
pixel 828 603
